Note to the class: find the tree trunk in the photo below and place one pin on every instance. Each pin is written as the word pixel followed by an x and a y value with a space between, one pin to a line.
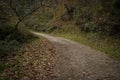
pixel 16 26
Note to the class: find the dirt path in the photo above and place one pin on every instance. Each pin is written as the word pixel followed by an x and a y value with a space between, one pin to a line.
pixel 78 62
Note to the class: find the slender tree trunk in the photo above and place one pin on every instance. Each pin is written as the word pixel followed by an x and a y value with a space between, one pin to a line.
pixel 17 24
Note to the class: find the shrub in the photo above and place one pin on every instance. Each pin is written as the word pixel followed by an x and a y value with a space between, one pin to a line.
pixel 6 48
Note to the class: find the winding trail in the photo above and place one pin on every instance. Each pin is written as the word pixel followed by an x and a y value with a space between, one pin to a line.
pixel 79 62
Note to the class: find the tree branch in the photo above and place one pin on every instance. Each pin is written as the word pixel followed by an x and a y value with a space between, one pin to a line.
pixel 31 12
pixel 14 9
pixel 22 18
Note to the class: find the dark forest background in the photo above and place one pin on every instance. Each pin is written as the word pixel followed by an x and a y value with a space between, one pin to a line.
pixel 24 56
pixel 97 20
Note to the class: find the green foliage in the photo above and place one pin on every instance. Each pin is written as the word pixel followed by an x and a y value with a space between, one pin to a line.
pixel 5 78
pixel 10 14
pixel 11 40
pixel 104 16
pixel 52 29
pixel 6 48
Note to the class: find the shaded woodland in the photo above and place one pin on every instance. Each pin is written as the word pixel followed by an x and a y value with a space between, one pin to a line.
pixel 98 17
pixel 24 56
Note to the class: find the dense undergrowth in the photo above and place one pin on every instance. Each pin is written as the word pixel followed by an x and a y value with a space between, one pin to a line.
pixel 11 40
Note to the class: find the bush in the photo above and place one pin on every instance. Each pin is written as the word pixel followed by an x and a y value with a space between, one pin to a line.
pixel 101 16
pixel 11 39
pixel 6 48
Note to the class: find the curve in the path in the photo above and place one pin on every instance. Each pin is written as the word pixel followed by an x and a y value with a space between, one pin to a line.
pixel 78 62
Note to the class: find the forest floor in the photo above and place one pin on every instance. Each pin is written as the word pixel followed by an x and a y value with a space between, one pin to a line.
pixel 75 61
pixel 35 62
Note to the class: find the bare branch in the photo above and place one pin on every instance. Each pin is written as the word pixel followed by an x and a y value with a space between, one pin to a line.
pixel 14 9
pixel 30 13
